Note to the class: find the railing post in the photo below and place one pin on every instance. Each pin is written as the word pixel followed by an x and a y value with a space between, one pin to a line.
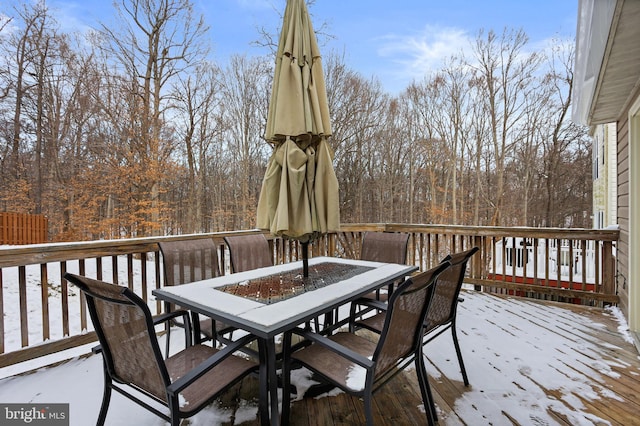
pixel 332 244
pixel 608 268
pixel 479 265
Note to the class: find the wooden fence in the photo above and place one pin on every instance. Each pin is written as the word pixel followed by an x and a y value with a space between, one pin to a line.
pixel 41 314
pixel 22 228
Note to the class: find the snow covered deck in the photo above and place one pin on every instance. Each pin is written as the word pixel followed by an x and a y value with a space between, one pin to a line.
pixel 529 362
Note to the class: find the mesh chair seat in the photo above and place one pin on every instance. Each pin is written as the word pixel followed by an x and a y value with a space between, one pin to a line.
pixel 337 368
pixel 213 382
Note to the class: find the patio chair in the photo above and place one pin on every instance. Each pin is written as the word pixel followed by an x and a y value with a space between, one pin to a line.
pixel 184 383
pixel 248 252
pixel 441 315
pixel 359 366
pixel 387 247
pixel 186 261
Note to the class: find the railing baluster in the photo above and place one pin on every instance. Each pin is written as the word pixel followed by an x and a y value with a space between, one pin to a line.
pixel 1 313
pixel 143 275
pixel 83 299
pixel 130 271
pixel 572 264
pixel 608 268
pixel 114 270
pixel 99 268
pixel 24 319
pixel 558 262
pixel 583 257
pixel 597 248
pixel 64 285
pixel 44 292
pixel 536 245
pixel 158 273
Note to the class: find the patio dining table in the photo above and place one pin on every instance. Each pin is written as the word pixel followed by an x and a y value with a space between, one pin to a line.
pixel 269 301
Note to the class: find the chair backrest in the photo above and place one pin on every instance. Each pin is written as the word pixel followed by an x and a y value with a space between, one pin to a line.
pixel 186 261
pixel 249 252
pixel 445 298
pixel 388 247
pixel 402 332
pixel 125 330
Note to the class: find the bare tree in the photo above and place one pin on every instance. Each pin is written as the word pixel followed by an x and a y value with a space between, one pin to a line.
pixel 430 146
pixel 159 40
pixel 564 145
pixel 27 50
pixel 198 99
pixel 22 47
pixel 358 110
pixel 479 131
pixel 451 124
pixel 529 137
pixel 504 71
pixel 245 87
pixel 5 74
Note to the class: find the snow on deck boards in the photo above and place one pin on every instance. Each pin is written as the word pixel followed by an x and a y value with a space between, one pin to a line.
pixel 528 361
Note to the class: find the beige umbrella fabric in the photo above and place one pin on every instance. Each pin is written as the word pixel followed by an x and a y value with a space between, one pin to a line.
pixel 299 195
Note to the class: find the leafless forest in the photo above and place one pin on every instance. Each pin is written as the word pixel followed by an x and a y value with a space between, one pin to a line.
pixel 132 130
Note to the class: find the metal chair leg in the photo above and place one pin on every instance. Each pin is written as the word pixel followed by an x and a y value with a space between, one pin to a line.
pixel 425 389
pixel 368 408
pixel 459 354
pixel 106 397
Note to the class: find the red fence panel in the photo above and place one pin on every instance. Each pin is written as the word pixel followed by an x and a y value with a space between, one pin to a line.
pixel 22 228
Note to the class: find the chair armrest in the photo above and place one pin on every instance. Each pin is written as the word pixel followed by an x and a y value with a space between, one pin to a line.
pixel 365 305
pixel 372 303
pixel 158 319
pixel 335 347
pixel 202 368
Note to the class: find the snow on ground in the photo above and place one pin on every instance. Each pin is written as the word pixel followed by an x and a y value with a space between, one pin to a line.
pixel 11 301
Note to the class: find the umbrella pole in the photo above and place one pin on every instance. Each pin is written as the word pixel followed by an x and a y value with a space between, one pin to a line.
pixel 305 259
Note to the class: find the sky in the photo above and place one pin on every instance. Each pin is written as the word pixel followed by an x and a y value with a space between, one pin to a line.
pixel 500 339
pixel 393 41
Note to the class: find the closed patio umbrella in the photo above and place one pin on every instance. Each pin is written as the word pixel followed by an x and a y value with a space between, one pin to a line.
pixel 299 195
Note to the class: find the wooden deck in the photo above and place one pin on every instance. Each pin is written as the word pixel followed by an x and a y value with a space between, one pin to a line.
pixel 529 363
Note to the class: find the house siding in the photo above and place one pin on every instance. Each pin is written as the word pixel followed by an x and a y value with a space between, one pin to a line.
pixel 622 250
pixel 604 176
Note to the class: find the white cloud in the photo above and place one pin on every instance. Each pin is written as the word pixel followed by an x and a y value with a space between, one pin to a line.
pixel 76 17
pixel 415 55
pixel 255 4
